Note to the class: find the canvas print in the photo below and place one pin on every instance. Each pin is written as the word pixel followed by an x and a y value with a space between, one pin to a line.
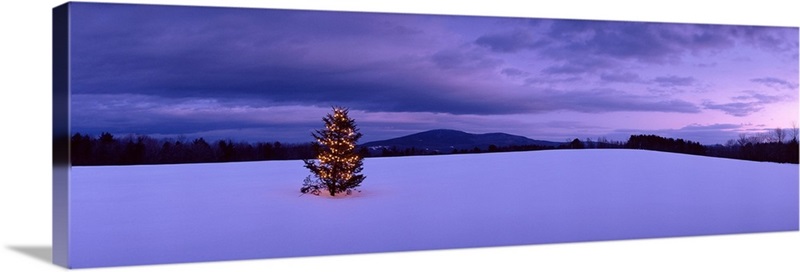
pixel 189 134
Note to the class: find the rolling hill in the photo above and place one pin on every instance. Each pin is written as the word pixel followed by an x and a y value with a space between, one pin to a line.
pixel 445 140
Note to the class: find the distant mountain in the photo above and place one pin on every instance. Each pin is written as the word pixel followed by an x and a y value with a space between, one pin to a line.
pixel 445 140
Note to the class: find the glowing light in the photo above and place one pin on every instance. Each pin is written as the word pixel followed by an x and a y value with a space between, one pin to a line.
pixel 337 164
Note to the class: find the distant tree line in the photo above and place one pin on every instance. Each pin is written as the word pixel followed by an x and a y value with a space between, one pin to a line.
pixel 109 150
pixel 658 143
pixel 774 146
pixel 600 143
pixel 781 145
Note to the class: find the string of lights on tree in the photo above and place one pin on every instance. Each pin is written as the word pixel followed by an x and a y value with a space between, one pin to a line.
pixel 337 165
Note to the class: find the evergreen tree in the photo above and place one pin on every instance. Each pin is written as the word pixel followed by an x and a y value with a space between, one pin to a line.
pixel 338 163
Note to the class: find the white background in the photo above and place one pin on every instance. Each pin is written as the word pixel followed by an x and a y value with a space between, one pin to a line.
pixel 25 137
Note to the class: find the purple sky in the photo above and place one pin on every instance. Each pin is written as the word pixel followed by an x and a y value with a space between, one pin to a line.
pixel 266 75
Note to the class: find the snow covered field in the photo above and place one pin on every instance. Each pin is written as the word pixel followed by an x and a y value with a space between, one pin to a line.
pixel 128 215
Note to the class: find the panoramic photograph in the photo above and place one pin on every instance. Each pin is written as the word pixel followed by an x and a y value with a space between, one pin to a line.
pixel 207 134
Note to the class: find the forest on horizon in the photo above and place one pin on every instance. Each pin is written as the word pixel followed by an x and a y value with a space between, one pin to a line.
pixel 107 149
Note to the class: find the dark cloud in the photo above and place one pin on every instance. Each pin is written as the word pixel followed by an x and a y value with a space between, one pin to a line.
pixel 782 40
pixel 644 42
pixel 585 46
pixel 255 55
pixel 272 56
pixel 580 66
pixel 652 43
pixel 514 72
pixel 739 109
pixel 709 37
pixel 775 83
pixel 578 39
pixel 674 81
pixel 609 100
pixel 759 98
pixel 746 104
pixel 624 77
pixel 550 80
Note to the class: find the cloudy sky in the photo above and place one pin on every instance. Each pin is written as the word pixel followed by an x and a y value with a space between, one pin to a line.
pixel 267 75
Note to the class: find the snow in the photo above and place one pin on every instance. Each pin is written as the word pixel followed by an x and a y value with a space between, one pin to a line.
pixel 131 215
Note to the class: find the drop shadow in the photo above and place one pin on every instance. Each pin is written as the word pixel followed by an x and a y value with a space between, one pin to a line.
pixel 42 253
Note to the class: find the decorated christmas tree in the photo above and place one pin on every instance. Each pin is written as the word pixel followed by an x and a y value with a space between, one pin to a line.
pixel 338 164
